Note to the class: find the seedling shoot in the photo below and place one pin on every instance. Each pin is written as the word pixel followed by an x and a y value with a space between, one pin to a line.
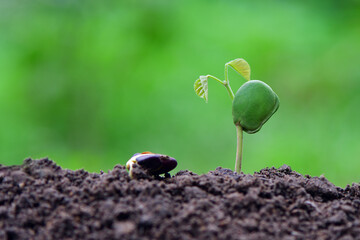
pixel 252 105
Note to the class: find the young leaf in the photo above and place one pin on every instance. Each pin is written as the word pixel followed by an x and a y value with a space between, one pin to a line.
pixel 241 66
pixel 201 87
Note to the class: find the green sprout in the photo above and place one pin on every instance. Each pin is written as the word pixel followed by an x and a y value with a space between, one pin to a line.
pixel 252 105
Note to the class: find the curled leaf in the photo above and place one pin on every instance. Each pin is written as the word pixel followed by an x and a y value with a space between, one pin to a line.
pixel 241 66
pixel 201 87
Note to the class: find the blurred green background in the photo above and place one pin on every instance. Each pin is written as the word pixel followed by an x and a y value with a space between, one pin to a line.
pixel 89 83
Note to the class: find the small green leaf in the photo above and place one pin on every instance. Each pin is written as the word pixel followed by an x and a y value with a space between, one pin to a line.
pixel 201 87
pixel 241 66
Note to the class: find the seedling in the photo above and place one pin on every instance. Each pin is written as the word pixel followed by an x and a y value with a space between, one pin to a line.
pixel 155 164
pixel 252 105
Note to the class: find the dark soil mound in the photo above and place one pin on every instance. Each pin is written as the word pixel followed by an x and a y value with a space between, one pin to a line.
pixel 39 200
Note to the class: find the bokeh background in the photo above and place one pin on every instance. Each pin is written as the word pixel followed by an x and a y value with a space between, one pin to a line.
pixel 89 83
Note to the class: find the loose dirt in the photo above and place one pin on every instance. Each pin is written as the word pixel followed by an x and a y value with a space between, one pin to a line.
pixel 40 200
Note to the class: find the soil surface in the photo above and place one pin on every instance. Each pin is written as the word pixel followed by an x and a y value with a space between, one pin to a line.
pixel 40 200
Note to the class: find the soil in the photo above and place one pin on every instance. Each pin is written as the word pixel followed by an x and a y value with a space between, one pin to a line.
pixel 40 200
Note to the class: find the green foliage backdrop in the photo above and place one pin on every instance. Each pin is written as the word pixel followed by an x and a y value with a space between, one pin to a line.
pixel 89 83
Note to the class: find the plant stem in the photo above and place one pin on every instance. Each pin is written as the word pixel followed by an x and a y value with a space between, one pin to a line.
pixel 228 88
pixel 215 78
pixel 239 133
pixel 225 84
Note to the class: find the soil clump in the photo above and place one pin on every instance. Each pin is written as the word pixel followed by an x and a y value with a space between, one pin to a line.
pixel 40 200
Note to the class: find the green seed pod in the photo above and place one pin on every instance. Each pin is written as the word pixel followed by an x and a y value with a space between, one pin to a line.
pixel 254 103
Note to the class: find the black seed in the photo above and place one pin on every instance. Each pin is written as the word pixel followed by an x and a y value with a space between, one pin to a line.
pixel 167 164
pixel 150 162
